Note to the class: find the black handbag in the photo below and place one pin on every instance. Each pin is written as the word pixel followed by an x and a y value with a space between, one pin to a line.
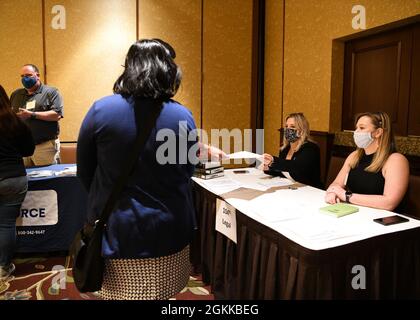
pixel 88 263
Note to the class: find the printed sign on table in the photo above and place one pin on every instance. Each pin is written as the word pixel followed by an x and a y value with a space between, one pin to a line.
pixel 39 208
pixel 226 219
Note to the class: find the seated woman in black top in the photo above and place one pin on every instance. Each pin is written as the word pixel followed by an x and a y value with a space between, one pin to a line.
pixel 374 175
pixel 299 158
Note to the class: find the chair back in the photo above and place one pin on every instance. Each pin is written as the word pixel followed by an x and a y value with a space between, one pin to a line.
pixel 413 196
pixel 336 163
pixel 68 154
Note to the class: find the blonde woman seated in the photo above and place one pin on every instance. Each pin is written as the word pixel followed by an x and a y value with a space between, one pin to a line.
pixel 299 158
pixel 374 175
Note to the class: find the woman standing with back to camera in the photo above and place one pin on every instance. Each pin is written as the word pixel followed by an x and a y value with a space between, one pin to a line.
pixel 16 141
pixel 147 236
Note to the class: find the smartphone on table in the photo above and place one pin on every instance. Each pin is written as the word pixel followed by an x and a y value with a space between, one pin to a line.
pixel 387 221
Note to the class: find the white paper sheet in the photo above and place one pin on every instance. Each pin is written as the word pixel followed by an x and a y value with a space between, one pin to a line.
pixel 274 182
pixel 295 214
pixel 249 180
pixel 244 155
pixel 218 185
pixel 285 209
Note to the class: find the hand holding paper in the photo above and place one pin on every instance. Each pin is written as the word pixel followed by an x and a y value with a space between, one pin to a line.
pixel 211 153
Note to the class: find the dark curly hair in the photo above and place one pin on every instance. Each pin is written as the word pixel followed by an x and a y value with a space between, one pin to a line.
pixel 150 71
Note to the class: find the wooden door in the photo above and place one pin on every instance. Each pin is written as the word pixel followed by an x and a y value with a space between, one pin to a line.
pixel 377 77
pixel 414 106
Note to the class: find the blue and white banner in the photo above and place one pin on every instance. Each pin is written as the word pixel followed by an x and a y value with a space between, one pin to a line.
pixel 40 208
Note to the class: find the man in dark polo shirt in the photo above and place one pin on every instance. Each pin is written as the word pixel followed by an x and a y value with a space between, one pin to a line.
pixel 41 107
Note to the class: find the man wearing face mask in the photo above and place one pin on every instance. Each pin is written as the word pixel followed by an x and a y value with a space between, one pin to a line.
pixel 40 107
pixel 299 157
pixel 374 175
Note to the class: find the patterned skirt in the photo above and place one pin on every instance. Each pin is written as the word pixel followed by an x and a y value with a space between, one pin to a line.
pixel 146 279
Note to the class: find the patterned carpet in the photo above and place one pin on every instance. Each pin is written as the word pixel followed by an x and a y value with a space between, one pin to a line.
pixel 50 278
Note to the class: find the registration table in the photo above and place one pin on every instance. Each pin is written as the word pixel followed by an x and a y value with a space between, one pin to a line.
pixel 53 211
pixel 280 246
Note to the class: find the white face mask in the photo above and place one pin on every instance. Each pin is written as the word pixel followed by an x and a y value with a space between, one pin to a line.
pixel 362 139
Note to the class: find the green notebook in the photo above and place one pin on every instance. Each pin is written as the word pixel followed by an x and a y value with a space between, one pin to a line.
pixel 339 209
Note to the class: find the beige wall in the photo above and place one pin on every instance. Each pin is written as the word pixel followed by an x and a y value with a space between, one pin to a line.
pixel 273 75
pixel 225 99
pixel 178 23
pixel 20 39
pixel 310 27
pixel 227 57
pixel 84 60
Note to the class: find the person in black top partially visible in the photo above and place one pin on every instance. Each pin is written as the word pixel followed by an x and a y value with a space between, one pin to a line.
pixel 299 158
pixel 16 141
pixel 374 175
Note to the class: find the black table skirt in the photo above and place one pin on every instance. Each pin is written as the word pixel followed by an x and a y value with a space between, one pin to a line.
pixel 266 265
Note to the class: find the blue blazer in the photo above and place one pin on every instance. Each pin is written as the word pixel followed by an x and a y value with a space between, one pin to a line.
pixel 155 215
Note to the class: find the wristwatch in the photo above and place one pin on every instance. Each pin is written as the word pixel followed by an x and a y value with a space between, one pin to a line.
pixel 33 115
pixel 348 196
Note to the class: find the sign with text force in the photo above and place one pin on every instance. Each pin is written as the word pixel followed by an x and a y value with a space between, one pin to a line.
pixel 39 208
pixel 226 219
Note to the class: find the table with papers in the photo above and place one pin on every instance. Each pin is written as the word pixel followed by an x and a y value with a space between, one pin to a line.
pixel 287 249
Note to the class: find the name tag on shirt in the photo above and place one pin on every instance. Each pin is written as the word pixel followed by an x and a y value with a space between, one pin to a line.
pixel 30 105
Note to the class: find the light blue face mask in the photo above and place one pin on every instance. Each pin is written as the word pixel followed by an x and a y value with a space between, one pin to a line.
pixel 362 139
pixel 28 82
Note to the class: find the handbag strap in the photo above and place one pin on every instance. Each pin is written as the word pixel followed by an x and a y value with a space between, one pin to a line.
pixel 144 123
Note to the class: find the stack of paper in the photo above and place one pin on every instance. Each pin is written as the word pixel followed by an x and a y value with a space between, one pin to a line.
pixel 41 174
